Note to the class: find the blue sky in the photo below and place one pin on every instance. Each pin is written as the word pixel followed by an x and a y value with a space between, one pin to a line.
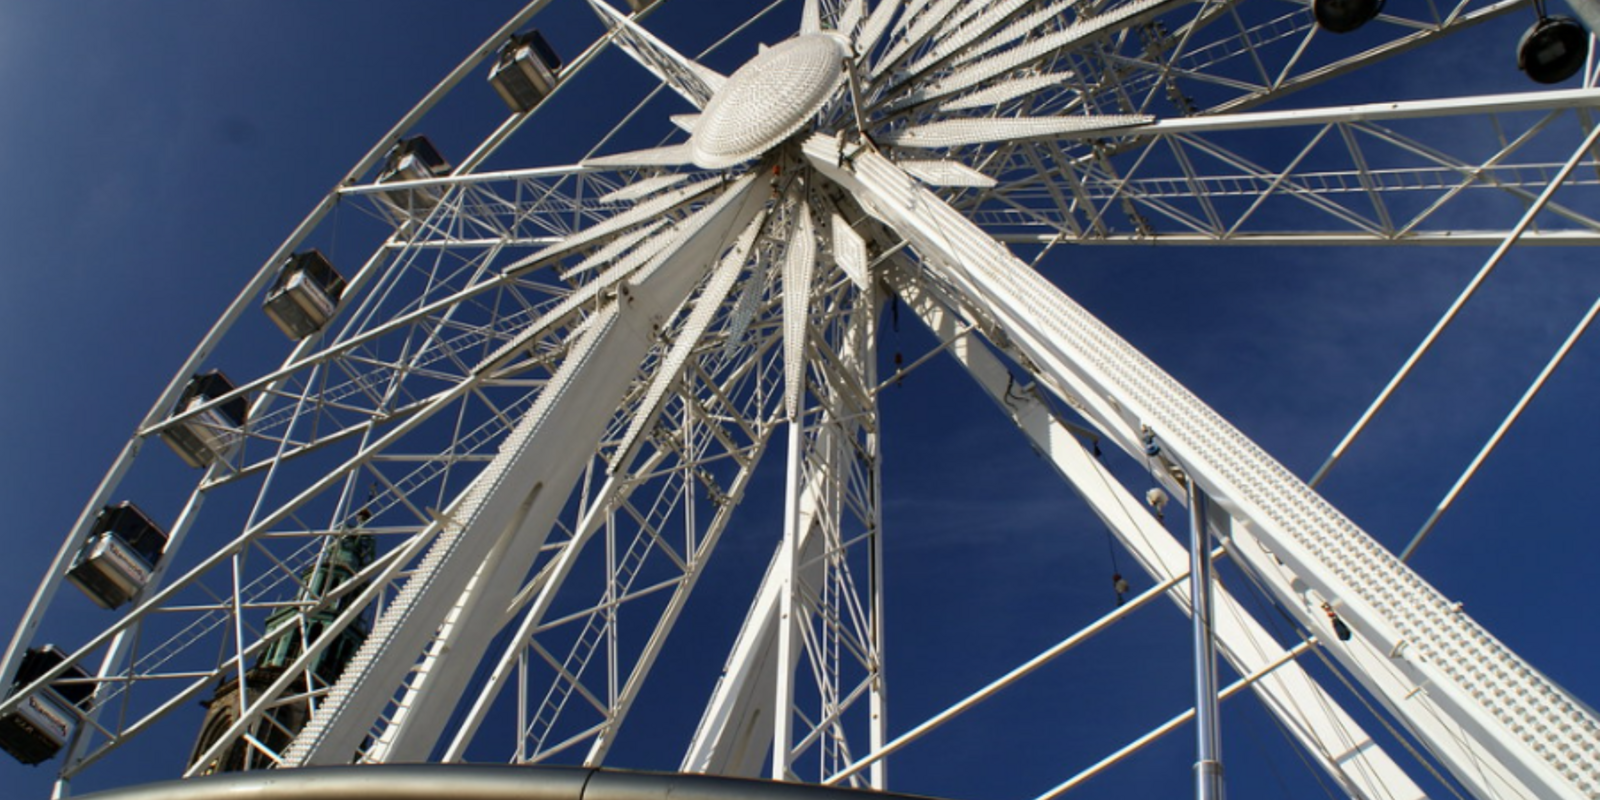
pixel 156 155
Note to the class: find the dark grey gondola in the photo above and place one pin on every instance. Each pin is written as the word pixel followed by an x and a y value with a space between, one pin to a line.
pixel 211 434
pixel 304 297
pixel 526 71
pixel 122 549
pixel 413 159
pixel 47 718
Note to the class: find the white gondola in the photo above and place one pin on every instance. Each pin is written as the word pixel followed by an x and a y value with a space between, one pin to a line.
pixel 122 550
pixel 526 71
pixel 213 433
pixel 305 295
pixel 413 159
pixel 47 718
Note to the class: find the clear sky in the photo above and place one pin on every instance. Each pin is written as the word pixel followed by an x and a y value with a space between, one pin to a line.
pixel 157 153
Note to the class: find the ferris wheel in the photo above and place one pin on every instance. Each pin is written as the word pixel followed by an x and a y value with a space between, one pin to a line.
pixel 457 498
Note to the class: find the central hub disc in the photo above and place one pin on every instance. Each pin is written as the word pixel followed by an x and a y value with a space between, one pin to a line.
pixel 767 100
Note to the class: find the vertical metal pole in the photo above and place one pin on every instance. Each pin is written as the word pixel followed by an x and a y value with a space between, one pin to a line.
pixel 1208 762
pixel 783 705
pixel 878 703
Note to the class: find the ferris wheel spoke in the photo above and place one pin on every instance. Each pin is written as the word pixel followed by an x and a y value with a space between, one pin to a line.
pixel 815 582
pixel 690 79
pixel 798 264
pixel 665 202
pixel 496 535
pixel 670 370
pixel 517 208
pixel 1203 66
pixel 873 29
pixel 1367 171
pixel 959 132
pixel 1337 742
pixel 810 16
pixel 848 18
pixel 683 449
pixel 1381 598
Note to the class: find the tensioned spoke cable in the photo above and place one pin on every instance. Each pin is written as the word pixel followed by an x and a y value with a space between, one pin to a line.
pixel 1174 723
pixel 1505 425
pixel 1011 677
pixel 1455 308
pixel 713 47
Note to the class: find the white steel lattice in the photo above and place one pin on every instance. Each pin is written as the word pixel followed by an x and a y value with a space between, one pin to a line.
pixel 545 393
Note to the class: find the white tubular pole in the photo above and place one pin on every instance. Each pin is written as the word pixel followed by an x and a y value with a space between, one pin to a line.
pixel 1208 757
pixel 1505 425
pixel 1172 724
pixel 788 564
pixel 1009 678
pixel 1455 308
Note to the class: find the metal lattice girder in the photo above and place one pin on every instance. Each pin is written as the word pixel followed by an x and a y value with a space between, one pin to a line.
pixel 1352 175
pixel 1323 729
pixel 478 566
pixel 704 420
pixel 1429 663
pixel 437 413
pixel 810 626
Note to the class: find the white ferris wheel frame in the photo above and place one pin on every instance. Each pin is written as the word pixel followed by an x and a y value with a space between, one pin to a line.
pixel 1454 685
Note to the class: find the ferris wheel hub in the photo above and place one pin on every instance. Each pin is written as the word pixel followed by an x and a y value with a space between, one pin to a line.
pixel 768 99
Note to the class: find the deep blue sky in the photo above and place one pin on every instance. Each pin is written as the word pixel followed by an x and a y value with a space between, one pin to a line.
pixel 157 153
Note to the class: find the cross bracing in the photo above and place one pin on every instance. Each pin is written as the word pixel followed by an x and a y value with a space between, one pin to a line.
pixel 547 390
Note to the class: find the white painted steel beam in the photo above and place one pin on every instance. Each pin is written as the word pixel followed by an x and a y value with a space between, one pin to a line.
pixel 1500 727
pixel 1557 99
pixel 1570 238
pixel 1333 738
pixel 736 732
pixel 747 725
pixel 452 606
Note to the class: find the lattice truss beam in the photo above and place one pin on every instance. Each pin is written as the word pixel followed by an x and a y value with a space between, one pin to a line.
pixel 1007 86
pixel 555 385
pixel 1355 175
pixel 392 416
pixel 1427 662
pixel 809 656
pixel 1074 116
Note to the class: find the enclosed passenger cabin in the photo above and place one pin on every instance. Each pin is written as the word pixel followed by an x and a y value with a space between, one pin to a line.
pixel 47 718
pixel 1344 16
pixel 413 159
pixel 526 71
pixel 303 298
pixel 122 550
pixel 1553 50
pixel 211 434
